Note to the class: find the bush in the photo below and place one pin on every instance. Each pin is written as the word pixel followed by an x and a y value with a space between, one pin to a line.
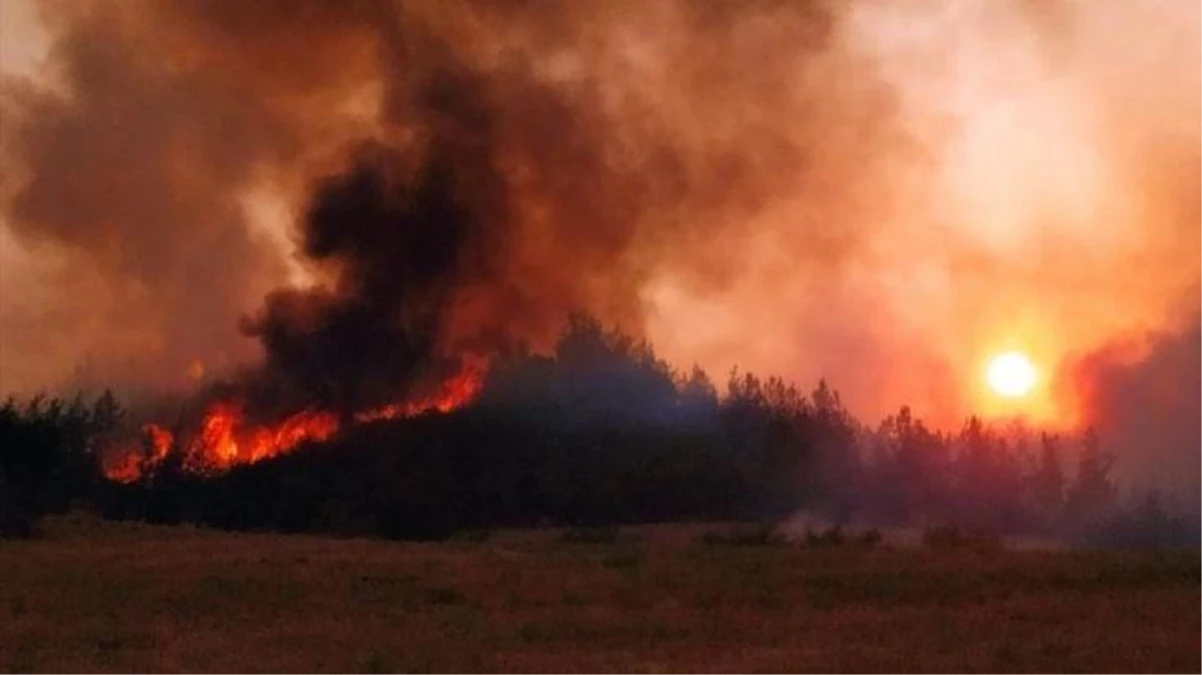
pixel 834 537
pixel 1150 524
pixel 830 537
pixel 477 536
pixel 589 535
pixel 16 523
pixel 870 538
pixel 949 536
pixel 759 535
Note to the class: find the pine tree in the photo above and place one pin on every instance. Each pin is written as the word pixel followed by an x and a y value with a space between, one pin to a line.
pixel 1093 493
pixel 1049 478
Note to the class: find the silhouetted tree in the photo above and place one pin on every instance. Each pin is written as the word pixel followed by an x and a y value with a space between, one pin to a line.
pixel 989 478
pixel 1093 493
pixel 909 467
pixel 834 479
pixel 1048 480
pixel 48 452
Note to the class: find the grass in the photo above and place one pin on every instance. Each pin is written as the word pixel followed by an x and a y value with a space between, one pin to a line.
pixel 96 596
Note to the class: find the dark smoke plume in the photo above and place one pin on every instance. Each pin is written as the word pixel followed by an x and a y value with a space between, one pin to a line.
pixel 510 174
pixel 397 243
pixel 1149 409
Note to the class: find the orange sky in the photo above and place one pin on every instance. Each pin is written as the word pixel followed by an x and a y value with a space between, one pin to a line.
pixel 1058 213
pixel 1036 190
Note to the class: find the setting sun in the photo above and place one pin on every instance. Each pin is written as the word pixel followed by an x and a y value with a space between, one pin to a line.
pixel 1011 374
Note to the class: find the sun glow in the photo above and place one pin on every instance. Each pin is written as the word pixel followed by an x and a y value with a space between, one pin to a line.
pixel 1011 374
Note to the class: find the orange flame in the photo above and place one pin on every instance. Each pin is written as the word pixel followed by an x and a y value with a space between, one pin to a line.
pixel 130 464
pixel 453 393
pixel 226 440
pixel 161 440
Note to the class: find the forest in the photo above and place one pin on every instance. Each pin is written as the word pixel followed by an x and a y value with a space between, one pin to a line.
pixel 600 431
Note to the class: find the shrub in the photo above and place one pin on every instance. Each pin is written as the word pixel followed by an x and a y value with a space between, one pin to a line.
pixel 17 526
pixel 759 535
pixel 870 538
pixel 830 537
pixel 16 523
pixel 1150 524
pixel 949 536
pixel 589 535
pixel 478 536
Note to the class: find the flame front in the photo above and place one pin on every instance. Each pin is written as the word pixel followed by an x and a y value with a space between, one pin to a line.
pixel 132 462
pixel 453 393
pixel 226 439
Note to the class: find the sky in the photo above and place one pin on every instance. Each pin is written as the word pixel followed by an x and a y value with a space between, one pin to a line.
pixel 885 195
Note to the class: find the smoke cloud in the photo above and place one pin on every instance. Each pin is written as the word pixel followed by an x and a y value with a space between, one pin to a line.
pixel 350 197
pixel 1145 397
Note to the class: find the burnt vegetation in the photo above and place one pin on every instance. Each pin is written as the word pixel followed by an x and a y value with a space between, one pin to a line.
pixel 599 432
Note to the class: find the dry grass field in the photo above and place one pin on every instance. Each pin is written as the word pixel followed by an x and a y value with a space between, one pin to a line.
pixel 110 597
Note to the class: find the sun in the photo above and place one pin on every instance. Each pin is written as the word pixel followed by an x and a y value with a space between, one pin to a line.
pixel 1011 374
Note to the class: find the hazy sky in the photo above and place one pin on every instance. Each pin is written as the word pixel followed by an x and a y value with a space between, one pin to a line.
pixel 23 43
pixel 881 194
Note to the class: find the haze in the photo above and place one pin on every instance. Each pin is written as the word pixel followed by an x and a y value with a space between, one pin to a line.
pixel 878 195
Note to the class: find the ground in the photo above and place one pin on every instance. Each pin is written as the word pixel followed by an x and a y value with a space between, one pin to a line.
pixel 119 597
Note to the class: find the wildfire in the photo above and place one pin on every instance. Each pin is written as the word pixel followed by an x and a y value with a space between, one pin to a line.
pixel 131 464
pixel 225 438
pixel 453 393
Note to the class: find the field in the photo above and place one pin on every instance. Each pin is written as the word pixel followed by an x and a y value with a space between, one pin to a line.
pixel 111 597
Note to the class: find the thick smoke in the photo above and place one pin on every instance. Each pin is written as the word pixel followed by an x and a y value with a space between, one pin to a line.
pixel 124 183
pixel 522 164
pixel 880 194
pixel 1145 398
pixel 398 243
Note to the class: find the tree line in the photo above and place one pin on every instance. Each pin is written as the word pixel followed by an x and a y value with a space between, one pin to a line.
pixel 599 431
